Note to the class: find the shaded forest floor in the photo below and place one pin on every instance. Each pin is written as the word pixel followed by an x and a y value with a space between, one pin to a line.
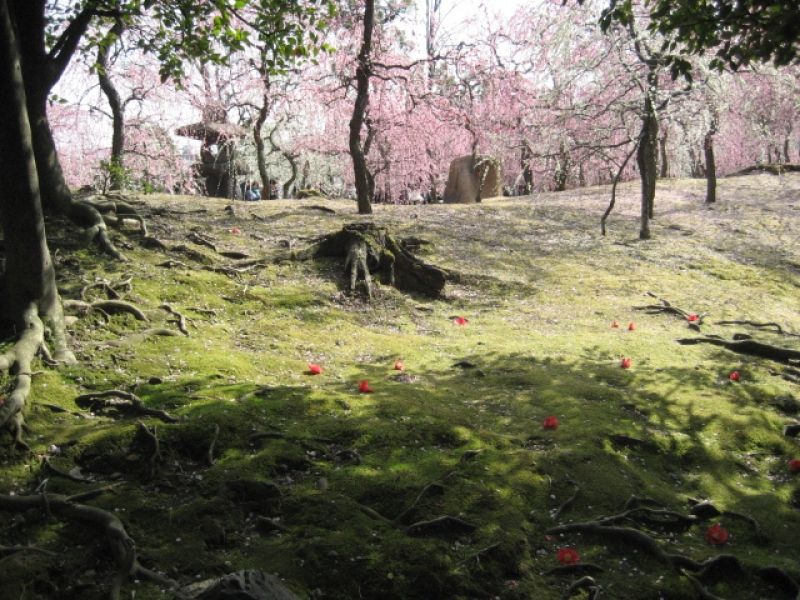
pixel 337 492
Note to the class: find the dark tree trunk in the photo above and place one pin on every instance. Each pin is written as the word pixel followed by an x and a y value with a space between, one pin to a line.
pixel 711 167
pixel 662 143
pixel 363 73
pixel 292 160
pixel 40 72
pixel 258 138
pixel 646 160
pixel 29 294
pixel 527 171
pixel 563 164
pixel 786 145
pixel 116 161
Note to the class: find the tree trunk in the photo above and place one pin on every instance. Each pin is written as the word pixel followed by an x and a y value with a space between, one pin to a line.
pixel 662 143
pixel 711 167
pixel 116 161
pixel 527 172
pixel 40 72
pixel 363 73
pixel 29 294
pixel 261 155
pixel 287 187
pixel 646 159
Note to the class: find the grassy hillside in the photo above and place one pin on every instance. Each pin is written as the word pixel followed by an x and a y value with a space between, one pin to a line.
pixel 271 468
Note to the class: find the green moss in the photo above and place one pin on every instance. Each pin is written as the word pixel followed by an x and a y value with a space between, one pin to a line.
pixel 540 291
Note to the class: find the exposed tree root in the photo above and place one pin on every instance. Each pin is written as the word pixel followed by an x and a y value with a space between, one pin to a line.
pixel 779 579
pixel 18 360
pixel 141 336
pixel 477 555
pixel 434 488
pixel 665 306
pixel 111 289
pixel 108 307
pixel 587 584
pixel 445 525
pixel 700 574
pixel 367 248
pixel 749 347
pixel 60 409
pixel 122 546
pixel 775 326
pixel 51 468
pixel 567 504
pixel 179 319
pixel 122 401
pixel 117 210
pixel 202 240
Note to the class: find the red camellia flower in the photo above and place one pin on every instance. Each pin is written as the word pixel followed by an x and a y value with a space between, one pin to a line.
pixel 550 422
pixel 568 556
pixel 794 465
pixel 631 326
pixel 314 369
pixel 626 363
pixel 734 376
pixel 235 230
pixel 615 324
pixel 717 535
pixel 692 318
pixel 460 321
pixel 399 366
pixel 363 387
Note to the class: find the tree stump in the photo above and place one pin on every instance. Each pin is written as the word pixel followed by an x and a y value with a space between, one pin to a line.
pixel 368 249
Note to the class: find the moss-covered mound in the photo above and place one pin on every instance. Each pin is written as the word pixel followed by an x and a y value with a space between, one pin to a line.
pixel 202 431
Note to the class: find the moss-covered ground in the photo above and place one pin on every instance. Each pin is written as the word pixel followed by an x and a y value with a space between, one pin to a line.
pixel 324 497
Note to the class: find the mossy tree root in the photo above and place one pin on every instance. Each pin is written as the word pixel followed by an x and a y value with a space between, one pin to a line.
pixel 749 347
pixel 121 544
pixel 665 306
pixel 587 584
pixel 700 574
pixel 18 361
pixel 366 249
pixel 108 307
pixel 124 402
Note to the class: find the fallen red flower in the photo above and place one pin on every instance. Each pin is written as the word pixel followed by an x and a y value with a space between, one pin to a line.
pixel 550 422
pixel 614 324
pixel 794 465
pixel 626 363
pixel 631 326
pixel 314 369
pixel 363 387
pixel 460 321
pixel 568 556
pixel 692 318
pixel 399 366
pixel 235 230
pixel 717 535
pixel 734 376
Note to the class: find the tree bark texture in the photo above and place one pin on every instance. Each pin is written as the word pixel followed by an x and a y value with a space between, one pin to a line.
pixel 29 294
pixel 662 143
pixel 711 166
pixel 116 161
pixel 646 160
pixel 41 70
pixel 363 73
pixel 258 138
